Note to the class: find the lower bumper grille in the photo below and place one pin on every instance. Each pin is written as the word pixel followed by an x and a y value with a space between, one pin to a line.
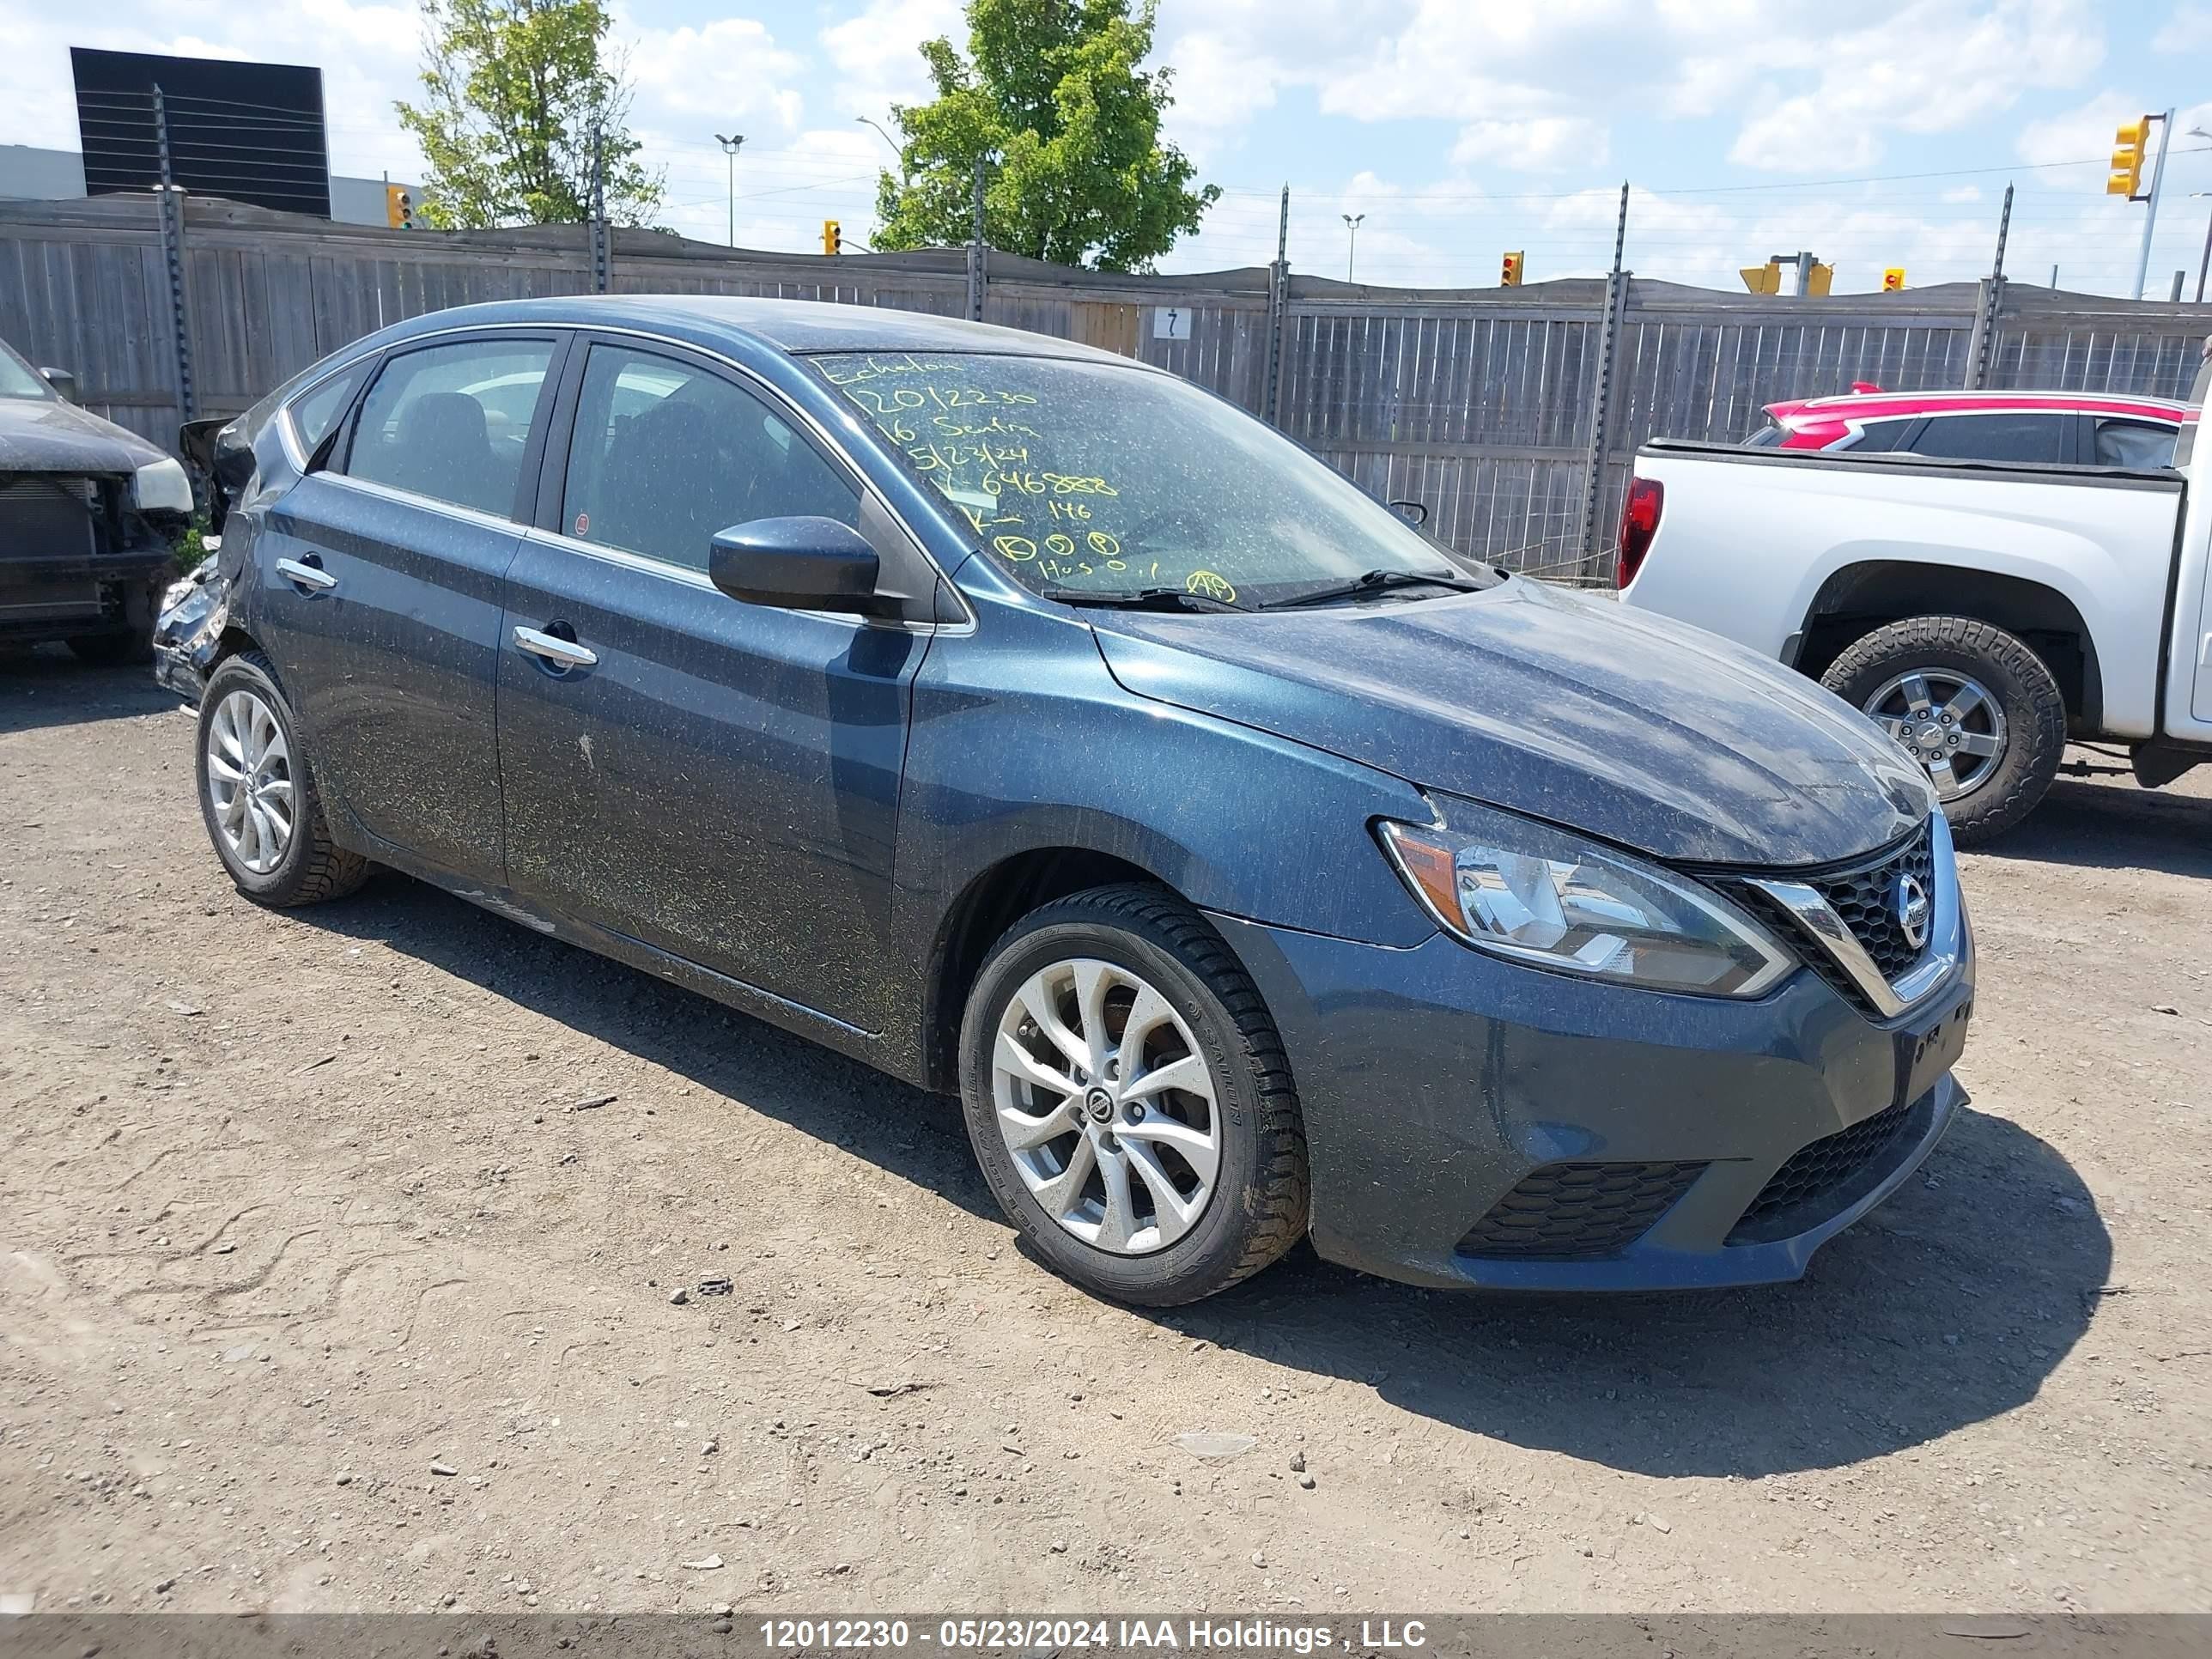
pixel 1815 1171
pixel 1575 1212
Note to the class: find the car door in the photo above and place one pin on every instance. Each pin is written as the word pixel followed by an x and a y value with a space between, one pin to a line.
pixel 379 591
pixel 720 779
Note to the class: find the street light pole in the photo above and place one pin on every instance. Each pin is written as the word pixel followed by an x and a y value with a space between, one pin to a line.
pixel 896 149
pixel 730 147
pixel 1352 223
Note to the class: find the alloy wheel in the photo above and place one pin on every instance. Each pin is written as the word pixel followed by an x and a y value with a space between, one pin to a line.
pixel 249 779
pixel 1948 722
pixel 1106 1105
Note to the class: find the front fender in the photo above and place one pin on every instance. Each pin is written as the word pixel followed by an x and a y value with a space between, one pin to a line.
pixel 1022 741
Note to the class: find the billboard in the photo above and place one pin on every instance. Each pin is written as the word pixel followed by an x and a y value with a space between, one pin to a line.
pixel 252 132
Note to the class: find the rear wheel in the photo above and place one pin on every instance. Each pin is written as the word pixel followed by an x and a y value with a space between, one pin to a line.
pixel 258 792
pixel 1128 1101
pixel 1975 705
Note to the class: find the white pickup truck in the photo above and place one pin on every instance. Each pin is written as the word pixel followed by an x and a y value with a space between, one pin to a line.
pixel 1984 613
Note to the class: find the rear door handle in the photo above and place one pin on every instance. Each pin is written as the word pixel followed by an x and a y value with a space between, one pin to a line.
pixel 562 654
pixel 312 577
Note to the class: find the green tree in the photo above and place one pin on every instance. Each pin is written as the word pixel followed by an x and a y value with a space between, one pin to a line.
pixel 1050 96
pixel 512 91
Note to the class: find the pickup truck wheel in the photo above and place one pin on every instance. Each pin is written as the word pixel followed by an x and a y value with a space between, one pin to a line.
pixel 1973 703
pixel 1128 1101
pixel 258 792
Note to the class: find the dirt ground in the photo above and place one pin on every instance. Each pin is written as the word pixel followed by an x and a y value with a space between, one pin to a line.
pixel 317 1291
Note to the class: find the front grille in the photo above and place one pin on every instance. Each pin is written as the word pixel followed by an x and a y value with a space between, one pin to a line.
pixel 1574 1212
pixel 44 518
pixel 1864 897
pixel 1867 900
pixel 1814 1172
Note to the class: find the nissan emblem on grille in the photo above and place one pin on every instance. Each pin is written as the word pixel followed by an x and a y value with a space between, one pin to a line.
pixel 1911 899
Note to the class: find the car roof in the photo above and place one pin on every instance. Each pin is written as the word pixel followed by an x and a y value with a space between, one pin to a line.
pixel 786 325
pixel 1873 405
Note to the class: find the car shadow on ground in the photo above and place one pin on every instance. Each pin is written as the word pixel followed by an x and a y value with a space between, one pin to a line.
pixel 2114 826
pixel 1950 1304
pixel 49 687
pixel 908 1132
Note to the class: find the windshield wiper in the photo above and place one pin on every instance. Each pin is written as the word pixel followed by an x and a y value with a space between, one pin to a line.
pixel 1141 599
pixel 1375 581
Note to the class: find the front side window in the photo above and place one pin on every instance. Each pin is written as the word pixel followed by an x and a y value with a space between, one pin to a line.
pixel 453 421
pixel 2016 437
pixel 666 455
pixel 2135 443
pixel 1099 480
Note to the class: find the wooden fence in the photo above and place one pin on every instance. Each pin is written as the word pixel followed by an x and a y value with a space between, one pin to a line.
pixel 1498 408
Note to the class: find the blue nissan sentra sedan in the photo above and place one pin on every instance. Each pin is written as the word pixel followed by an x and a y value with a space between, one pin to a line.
pixel 1032 724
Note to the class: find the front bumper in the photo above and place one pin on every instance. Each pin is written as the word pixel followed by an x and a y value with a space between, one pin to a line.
pixel 1448 1095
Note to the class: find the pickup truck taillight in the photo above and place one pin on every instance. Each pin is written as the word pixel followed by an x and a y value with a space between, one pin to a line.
pixel 1639 523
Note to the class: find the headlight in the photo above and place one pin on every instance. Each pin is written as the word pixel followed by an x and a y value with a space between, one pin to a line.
pixel 162 487
pixel 1523 889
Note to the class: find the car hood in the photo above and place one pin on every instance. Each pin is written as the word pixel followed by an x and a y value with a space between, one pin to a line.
pixel 1642 730
pixel 49 436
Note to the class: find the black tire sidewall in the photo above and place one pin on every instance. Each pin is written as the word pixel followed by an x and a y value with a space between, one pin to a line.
pixel 2026 691
pixel 1206 1257
pixel 284 882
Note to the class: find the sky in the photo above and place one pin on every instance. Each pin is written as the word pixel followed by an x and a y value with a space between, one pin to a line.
pixel 1882 133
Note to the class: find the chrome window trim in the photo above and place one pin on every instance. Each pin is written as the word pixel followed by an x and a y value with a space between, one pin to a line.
pixel 1947 939
pixel 415 498
pixel 775 394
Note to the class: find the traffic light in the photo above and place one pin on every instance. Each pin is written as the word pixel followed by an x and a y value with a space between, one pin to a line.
pixel 833 239
pixel 1893 278
pixel 1818 277
pixel 2129 143
pixel 1510 277
pixel 1764 279
pixel 400 207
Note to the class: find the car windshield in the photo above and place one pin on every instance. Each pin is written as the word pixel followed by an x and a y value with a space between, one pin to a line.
pixel 19 380
pixel 1092 481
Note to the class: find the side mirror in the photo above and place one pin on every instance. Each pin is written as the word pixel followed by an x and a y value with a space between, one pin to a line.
pixel 61 381
pixel 1416 513
pixel 796 564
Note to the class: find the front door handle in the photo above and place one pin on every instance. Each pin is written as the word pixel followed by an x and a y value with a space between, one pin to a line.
pixel 561 654
pixel 312 577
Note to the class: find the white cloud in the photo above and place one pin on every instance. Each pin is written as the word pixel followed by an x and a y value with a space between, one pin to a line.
pixel 730 70
pixel 1545 144
pixel 2190 29
pixel 878 55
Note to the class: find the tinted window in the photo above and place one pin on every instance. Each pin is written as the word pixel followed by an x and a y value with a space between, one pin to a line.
pixel 1766 438
pixel 2022 437
pixel 451 421
pixel 2133 443
pixel 1878 435
pixel 317 412
pixel 665 454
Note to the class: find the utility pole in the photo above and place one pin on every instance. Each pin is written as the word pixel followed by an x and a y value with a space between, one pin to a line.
pixel 730 148
pixel 2204 261
pixel 172 258
pixel 977 275
pixel 1279 298
pixel 1351 221
pixel 2150 212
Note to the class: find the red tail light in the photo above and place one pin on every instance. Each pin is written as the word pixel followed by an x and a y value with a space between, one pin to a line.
pixel 1639 523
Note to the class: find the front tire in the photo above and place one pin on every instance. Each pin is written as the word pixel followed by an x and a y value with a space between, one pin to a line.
pixel 1974 704
pixel 1128 1101
pixel 258 793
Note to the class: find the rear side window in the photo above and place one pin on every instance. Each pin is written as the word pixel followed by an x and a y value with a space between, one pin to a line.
pixel 2016 437
pixel 1766 438
pixel 665 454
pixel 2135 443
pixel 1879 435
pixel 453 422
pixel 316 411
